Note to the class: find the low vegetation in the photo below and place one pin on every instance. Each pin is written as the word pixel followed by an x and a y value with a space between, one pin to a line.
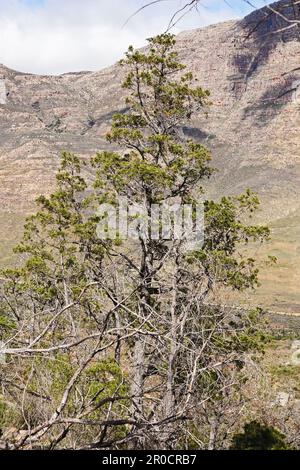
pixel 118 344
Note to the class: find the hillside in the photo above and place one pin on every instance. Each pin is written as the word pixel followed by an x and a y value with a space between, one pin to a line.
pixel 252 129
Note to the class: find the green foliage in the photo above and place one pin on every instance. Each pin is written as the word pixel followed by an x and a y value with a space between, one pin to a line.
pixel 226 229
pixel 60 370
pixel 60 244
pixel 6 323
pixel 247 332
pixel 80 305
pixel 105 378
pixel 158 160
pixel 286 371
pixel 3 408
pixel 257 436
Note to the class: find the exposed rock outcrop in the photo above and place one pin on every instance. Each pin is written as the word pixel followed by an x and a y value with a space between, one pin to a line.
pixel 252 127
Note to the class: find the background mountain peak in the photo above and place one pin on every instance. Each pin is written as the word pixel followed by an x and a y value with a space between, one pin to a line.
pixel 252 130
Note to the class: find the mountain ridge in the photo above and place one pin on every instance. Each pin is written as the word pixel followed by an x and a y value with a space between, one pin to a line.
pixel 251 129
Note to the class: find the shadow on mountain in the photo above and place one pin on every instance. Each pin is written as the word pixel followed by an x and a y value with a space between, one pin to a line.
pixel 272 101
pixel 197 134
pixel 262 31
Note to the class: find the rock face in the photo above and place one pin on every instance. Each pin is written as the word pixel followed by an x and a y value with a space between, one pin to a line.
pixel 3 95
pixel 252 129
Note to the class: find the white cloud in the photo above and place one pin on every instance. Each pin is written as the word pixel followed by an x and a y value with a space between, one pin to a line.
pixel 57 36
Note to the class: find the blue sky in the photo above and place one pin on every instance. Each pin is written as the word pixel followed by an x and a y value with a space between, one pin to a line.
pixel 56 36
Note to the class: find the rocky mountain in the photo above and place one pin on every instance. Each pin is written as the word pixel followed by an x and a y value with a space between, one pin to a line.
pixel 251 67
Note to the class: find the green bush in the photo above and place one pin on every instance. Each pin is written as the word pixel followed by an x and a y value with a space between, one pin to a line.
pixel 257 436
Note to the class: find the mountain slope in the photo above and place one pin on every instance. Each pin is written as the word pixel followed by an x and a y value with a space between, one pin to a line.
pixel 252 128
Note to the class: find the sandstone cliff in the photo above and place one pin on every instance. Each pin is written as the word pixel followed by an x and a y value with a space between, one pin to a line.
pixel 252 128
